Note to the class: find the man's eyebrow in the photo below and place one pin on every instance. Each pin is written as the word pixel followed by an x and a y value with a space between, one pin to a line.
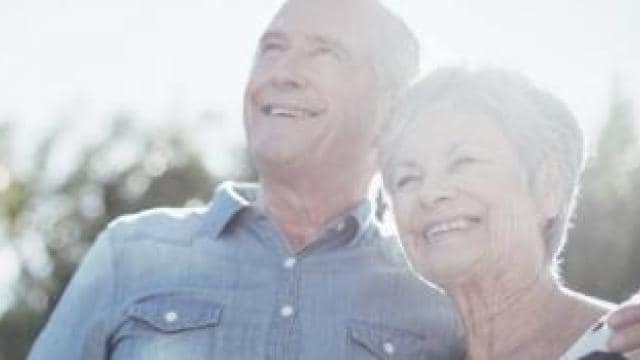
pixel 272 35
pixel 328 41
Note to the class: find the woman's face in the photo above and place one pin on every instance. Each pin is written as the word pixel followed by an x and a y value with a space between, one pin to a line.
pixel 461 197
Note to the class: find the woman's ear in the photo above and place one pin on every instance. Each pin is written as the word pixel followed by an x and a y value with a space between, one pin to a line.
pixel 549 189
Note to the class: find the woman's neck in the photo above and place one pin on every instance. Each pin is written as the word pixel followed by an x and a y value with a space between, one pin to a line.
pixel 511 318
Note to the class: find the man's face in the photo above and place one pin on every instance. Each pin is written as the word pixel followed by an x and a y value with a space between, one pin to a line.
pixel 312 97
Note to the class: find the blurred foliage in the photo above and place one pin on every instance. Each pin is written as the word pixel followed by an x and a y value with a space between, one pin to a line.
pixel 50 224
pixel 604 246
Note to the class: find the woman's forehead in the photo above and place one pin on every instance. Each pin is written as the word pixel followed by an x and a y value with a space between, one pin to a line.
pixel 446 131
pixel 453 121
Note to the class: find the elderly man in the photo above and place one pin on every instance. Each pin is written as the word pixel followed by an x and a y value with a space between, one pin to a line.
pixel 295 267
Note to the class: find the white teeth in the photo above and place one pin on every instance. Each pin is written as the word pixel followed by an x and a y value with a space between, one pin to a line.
pixel 457 224
pixel 286 112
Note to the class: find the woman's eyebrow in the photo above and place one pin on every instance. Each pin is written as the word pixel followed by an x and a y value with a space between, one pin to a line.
pixel 406 164
pixel 454 148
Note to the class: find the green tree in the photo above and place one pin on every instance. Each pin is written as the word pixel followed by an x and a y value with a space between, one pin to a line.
pixel 50 224
pixel 602 252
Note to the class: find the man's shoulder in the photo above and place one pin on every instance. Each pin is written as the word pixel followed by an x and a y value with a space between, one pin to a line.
pixel 180 226
pixel 173 225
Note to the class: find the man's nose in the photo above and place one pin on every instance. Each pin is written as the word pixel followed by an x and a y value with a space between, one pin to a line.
pixel 289 73
pixel 434 194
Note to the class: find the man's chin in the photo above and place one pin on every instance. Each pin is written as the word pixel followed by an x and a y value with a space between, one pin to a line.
pixel 269 160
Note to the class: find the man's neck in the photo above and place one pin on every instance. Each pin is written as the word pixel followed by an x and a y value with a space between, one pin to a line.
pixel 301 209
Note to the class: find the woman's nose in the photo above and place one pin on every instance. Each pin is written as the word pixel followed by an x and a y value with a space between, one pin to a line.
pixel 434 194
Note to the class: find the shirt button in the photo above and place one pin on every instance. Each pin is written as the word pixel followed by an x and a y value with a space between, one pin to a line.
pixel 388 348
pixel 170 316
pixel 289 262
pixel 286 311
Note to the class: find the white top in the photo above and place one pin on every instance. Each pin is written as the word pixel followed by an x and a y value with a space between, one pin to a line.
pixel 592 345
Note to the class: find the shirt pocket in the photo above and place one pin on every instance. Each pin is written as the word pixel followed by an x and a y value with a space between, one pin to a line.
pixel 173 313
pixel 168 326
pixel 376 341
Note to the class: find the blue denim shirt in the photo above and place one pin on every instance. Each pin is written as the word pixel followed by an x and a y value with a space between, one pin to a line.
pixel 220 283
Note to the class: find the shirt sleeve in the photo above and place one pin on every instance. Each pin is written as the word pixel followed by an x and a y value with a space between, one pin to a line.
pixel 78 327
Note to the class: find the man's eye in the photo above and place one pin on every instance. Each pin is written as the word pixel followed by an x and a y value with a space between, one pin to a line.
pixel 271 47
pixel 325 50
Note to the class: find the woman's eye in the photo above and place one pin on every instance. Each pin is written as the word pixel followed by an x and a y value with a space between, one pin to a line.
pixel 405 182
pixel 462 162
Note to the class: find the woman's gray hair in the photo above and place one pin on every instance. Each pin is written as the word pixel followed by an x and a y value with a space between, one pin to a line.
pixel 541 127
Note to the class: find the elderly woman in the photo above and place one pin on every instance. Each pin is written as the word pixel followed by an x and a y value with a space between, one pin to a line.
pixel 482 168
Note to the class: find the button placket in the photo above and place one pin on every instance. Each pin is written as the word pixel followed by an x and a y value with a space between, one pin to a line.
pixel 289 262
pixel 388 348
pixel 170 316
pixel 283 337
pixel 286 311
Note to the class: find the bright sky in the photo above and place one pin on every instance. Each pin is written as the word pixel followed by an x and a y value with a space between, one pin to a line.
pixel 85 59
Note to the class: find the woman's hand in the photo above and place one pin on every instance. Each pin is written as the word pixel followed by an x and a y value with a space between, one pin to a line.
pixel 625 325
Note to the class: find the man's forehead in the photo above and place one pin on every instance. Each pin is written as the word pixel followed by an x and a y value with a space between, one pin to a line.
pixel 335 19
pixel 331 7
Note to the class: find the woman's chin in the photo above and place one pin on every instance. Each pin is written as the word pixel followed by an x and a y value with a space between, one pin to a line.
pixel 448 273
pixel 447 260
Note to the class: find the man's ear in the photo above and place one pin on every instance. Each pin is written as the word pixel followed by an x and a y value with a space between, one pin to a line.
pixel 381 123
pixel 549 189
pixel 385 109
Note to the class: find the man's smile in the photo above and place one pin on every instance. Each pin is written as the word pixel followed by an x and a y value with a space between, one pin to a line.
pixel 289 110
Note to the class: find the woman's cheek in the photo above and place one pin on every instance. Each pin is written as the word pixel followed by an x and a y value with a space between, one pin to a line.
pixel 513 228
pixel 408 217
pixel 402 211
pixel 483 186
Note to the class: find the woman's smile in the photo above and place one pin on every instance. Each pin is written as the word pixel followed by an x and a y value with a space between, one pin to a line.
pixel 435 231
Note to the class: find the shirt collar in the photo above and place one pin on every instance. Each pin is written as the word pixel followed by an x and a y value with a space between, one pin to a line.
pixel 360 215
pixel 230 198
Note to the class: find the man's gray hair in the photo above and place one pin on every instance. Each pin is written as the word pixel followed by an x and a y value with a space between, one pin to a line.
pixel 396 50
pixel 541 127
